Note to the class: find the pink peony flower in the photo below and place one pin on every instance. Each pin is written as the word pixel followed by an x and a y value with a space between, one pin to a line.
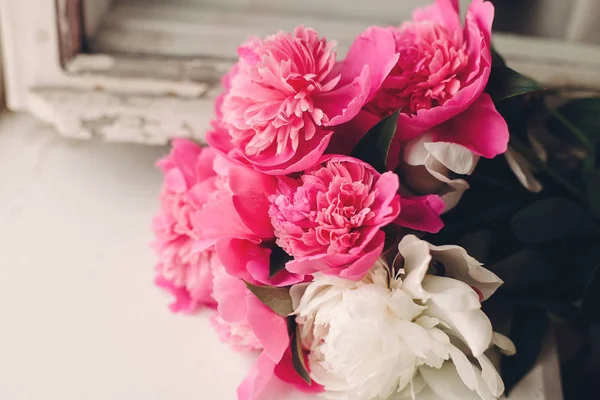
pixel 183 268
pixel 440 76
pixel 330 218
pixel 286 92
pixel 239 225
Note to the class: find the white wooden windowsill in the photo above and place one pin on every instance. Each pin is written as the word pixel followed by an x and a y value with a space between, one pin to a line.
pixel 126 98
pixel 81 318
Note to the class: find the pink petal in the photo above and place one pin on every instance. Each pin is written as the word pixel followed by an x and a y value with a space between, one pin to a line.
pixel 285 371
pixel 230 294
pixel 483 12
pixel 183 301
pixel 443 10
pixel 375 48
pixel 358 269
pixel 235 255
pixel 270 329
pixel 220 219
pixel 480 128
pixel 345 102
pixel 257 379
pixel 306 156
pixel 421 213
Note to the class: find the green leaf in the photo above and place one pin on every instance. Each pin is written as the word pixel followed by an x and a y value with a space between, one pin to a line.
pixel 527 332
pixel 591 297
pixel 497 59
pixel 524 271
pixel 584 114
pixel 276 298
pixel 478 244
pixel 298 356
pixel 277 260
pixel 547 219
pixel 505 82
pixel 374 147
pixel 592 179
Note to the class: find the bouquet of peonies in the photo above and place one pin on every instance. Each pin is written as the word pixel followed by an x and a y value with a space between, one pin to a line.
pixel 309 222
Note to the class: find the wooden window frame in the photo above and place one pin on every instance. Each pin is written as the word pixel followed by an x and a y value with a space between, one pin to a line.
pixel 150 100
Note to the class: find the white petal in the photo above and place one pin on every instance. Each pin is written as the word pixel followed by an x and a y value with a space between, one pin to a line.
pixel 504 344
pixel 490 376
pixel 414 150
pixel 473 327
pixel 403 306
pixel 296 293
pixel 523 170
pixel 451 294
pixel 465 369
pixel 460 265
pixel 453 156
pixel 412 389
pixel 446 383
pixel 416 262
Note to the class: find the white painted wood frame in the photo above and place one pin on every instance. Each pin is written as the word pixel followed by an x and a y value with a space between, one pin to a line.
pixel 144 99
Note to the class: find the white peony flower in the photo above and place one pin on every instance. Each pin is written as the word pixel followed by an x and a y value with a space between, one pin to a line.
pixel 428 166
pixel 413 336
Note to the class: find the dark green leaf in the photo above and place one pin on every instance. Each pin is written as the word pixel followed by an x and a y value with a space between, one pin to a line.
pixel 591 297
pixel 547 219
pixel 505 83
pixel 478 244
pixel 276 298
pixel 298 357
pixel 497 59
pixel 527 332
pixel 523 271
pixel 374 147
pixel 277 261
pixel 584 114
pixel 593 191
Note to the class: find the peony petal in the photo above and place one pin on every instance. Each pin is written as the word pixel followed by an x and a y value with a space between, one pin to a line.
pixel 480 129
pixel 357 269
pixel 230 294
pixel 490 376
pixel 375 47
pixel 446 383
pixel 220 219
pixel 183 301
pixel 460 265
pixel 416 263
pixel 285 371
pixel 421 213
pixel 257 379
pixel 453 156
pixel 442 10
pixel 345 102
pixel 504 344
pixel 474 327
pixel 235 255
pixel 270 329
pixel 450 294
pixel 466 370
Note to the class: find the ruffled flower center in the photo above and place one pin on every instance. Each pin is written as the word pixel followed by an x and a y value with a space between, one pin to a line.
pixel 270 101
pixel 430 70
pixel 326 211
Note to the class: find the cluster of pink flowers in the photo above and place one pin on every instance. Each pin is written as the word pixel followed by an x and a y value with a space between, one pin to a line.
pixel 278 175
